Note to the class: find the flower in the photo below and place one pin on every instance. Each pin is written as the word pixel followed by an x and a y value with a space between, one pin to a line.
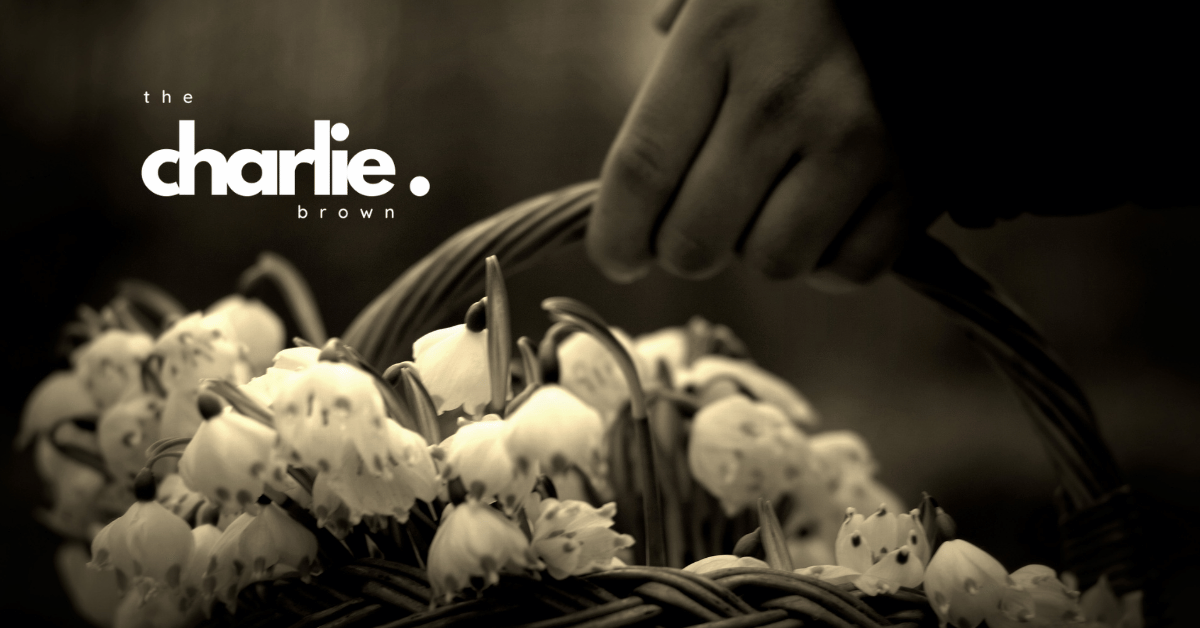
pixel 741 450
pixel 764 386
pixel 227 458
pixel 258 547
pixel 590 371
pixel 255 325
pixel 725 561
pixel 1053 603
pixel 148 546
pixel 557 429
pixel 453 365
pixel 200 347
pixel 573 537
pixel 326 408
pixel 966 585
pixel 288 362
pixel 110 366
pixel 1103 608
pixel 354 496
pixel 889 550
pixel 93 593
pixel 479 455
pixel 475 540
pixel 75 490
pixel 176 497
pixel 124 432
pixel 668 345
pixel 60 396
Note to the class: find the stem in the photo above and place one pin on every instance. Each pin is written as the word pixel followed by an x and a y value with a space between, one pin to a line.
pixel 296 293
pixel 153 298
pixel 161 455
pixel 499 334
pixel 423 408
pixel 529 362
pixel 165 444
pixel 771 537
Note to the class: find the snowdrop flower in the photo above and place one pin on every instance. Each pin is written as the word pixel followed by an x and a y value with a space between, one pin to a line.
pixel 741 450
pixel 288 362
pixel 148 546
pixel 75 490
pixel 258 547
pixel 256 325
pixel 328 407
pixel 1104 609
pixel 200 347
pixel 1053 603
pixel 556 429
pixel 966 585
pixel 227 458
pixel 110 366
pixel 176 497
pixel 453 365
pixel 60 396
pixel 574 538
pixel 475 540
pixel 344 499
pixel 479 455
pixel 590 371
pixel 725 561
pixel 763 385
pixel 667 346
pixel 889 550
pixel 124 432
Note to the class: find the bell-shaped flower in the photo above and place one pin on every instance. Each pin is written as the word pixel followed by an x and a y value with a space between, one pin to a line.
pixel 556 429
pixel 227 459
pixel 453 365
pixel 124 432
pixel 966 585
pixel 288 362
pixel 741 450
pixel 763 385
pixel 258 547
pixel 110 365
pixel 864 541
pixel 1104 609
pixel 666 346
pixel 362 494
pixel 60 396
pixel 473 541
pixel 478 454
pixel 589 370
pixel 75 489
pixel 725 561
pixel 574 538
pixel 200 347
pixel 256 325
pixel 833 574
pixel 1053 603
pixel 176 497
pixel 163 610
pixel 324 409
pixel 196 591
pixel 148 547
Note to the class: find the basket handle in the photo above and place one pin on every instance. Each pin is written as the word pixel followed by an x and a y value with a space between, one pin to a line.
pixel 1099 521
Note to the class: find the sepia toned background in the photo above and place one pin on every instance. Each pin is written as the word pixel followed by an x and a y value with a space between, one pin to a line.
pixel 494 102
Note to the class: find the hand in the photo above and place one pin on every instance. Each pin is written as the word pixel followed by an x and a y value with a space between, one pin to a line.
pixel 755 133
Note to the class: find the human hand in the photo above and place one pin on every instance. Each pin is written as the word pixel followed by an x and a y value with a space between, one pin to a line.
pixel 755 133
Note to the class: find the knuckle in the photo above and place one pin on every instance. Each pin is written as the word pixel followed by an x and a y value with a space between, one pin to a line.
pixel 683 255
pixel 639 161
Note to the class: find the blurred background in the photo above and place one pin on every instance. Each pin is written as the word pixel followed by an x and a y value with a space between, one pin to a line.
pixel 494 102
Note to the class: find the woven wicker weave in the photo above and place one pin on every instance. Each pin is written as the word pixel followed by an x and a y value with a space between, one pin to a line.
pixel 1099 522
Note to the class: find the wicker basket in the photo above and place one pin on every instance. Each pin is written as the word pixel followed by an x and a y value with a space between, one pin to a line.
pixel 1099 524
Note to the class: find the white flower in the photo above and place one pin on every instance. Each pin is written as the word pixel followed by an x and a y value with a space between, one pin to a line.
pixel 453 365
pixel 328 407
pixel 227 459
pixel 258 547
pixel 60 396
pixel 741 450
pixel 725 561
pixel 288 362
pixel 556 429
pixel 475 540
pixel 668 346
pixel 589 370
pixel 148 547
pixel 124 432
pixel 890 550
pixel 479 455
pixel 256 325
pixel 574 538
pixel 765 386
pixel 1054 604
pixel 966 585
pixel 110 366
pixel 200 347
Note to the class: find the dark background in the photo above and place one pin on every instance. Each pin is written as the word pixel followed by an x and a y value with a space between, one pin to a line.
pixel 494 102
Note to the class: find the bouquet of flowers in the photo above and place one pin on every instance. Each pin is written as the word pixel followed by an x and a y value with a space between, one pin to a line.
pixel 202 471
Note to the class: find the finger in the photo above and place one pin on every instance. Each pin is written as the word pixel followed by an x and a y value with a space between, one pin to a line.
pixel 657 142
pixel 807 210
pixel 869 243
pixel 721 193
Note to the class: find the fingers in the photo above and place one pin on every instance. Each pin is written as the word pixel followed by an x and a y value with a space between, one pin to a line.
pixel 657 142
pixel 869 244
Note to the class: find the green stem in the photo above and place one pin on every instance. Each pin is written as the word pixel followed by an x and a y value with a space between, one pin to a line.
pixel 296 293
pixel 422 403
pixel 499 334
pixel 165 444
pixel 161 455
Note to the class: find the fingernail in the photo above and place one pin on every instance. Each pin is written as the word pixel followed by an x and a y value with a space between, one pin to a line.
pixel 626 274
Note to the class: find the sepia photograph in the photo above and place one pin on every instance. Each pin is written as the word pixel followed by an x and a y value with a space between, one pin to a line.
pixel 603 313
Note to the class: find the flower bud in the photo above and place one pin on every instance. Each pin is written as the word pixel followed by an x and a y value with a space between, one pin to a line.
pixel 453 365
pixel 574 538
pixel 475 540
pixel 557 429
pixel 110 366
pixel 742 450
pixel 966 585
pixel 227 458
pixel 256 325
